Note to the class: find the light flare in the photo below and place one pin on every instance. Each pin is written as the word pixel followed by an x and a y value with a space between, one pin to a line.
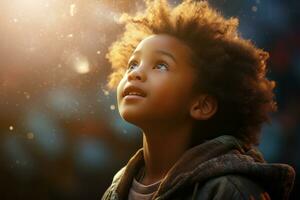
pixel 82 65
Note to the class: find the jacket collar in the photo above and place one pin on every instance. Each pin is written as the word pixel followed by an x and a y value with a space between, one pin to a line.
pixel 131 169
pixel 191 156
pixel 226 155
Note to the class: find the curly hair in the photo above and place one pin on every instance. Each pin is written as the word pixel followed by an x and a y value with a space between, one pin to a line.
pixel 228 67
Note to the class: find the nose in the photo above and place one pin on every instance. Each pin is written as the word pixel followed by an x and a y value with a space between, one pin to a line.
pixel 137 74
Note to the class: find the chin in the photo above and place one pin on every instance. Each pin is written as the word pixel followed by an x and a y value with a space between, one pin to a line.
pixel 131 117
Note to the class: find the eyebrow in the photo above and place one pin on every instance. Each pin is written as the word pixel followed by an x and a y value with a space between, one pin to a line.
pixel 161 52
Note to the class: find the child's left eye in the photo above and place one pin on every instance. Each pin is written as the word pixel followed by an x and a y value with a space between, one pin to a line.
pixel 163 66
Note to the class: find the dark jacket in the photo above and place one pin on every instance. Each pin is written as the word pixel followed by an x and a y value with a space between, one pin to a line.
pixel 222 168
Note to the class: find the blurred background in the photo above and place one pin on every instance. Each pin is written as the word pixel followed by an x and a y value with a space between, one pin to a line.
pixel 61 136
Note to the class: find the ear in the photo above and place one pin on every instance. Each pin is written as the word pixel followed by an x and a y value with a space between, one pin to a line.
pixel 204 107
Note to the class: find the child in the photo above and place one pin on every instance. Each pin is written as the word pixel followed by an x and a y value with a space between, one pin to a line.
pixel 198 92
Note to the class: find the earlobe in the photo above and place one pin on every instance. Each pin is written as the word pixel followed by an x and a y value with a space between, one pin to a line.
pixel 204 108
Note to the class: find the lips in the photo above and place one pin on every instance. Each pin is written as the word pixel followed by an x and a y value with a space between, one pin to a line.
pixel 133 90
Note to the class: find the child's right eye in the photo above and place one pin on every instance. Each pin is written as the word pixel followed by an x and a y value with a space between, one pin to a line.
pixel 132 65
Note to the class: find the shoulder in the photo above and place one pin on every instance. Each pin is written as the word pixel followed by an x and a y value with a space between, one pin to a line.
pixel 232 187
pixel 118 175
pixel 114 183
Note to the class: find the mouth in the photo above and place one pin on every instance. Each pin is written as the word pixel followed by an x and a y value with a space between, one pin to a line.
pixel 133 92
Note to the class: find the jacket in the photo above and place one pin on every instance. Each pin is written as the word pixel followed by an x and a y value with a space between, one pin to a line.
pixel 221 168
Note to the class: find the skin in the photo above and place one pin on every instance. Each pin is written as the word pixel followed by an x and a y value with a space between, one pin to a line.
pixel 167 114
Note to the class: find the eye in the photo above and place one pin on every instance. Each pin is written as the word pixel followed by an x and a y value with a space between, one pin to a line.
pixel 162 66
pixel 132 65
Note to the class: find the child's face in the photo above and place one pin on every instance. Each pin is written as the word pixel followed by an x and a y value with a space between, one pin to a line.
pixel 160 68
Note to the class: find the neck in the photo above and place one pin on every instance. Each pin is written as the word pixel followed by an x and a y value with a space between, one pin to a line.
pixel 162 148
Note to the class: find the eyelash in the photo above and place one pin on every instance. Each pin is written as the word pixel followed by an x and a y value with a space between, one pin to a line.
pixel 158 63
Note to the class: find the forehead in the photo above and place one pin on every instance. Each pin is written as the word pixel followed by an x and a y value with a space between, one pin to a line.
pixel 164 43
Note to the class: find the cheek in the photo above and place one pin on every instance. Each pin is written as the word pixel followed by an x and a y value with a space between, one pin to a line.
pixel 120 88
pixel 175 89
pixel 169 98
pixel 173 96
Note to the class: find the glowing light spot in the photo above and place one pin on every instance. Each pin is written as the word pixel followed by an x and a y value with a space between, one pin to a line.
pixel 73 9
pixel 112 107
pixel 106 93
pixel 70 35
pixel 27 95
pixel 82 65
pixel 15 20
pixel 254 8
pixel 11 128
pixel 98 52
pixel 30 136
